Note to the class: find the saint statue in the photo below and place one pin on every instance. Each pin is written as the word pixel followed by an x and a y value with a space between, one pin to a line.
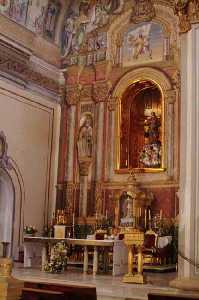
pixel 152 124
pixel 85 139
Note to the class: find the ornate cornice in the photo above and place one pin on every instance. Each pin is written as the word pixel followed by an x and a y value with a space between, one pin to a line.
pixel 16 63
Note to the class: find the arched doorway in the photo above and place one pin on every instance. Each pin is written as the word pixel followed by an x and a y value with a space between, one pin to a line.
pixel 7 210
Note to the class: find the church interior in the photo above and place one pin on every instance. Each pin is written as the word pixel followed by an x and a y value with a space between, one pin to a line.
pixel 99 135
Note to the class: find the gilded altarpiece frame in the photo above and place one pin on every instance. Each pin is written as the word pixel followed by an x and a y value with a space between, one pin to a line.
pixel 162 82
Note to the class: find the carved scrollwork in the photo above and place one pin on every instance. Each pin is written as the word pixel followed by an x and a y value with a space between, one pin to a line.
pixel 181 9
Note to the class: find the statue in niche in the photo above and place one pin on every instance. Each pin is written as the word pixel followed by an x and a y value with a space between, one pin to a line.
pixel 150 156
pixel 152 125
pixel 85 139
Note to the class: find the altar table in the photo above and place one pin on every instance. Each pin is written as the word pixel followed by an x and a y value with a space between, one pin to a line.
pixel 36 246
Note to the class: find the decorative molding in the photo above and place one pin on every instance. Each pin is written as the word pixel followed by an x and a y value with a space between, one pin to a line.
pixel 170 96
pixel 142 11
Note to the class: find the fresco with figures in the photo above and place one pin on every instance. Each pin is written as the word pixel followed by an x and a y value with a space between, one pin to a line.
pixel 51 18
pixel 36 15
pixel 82 19
pixel 4 6
pixel 143 43
pixel 18 10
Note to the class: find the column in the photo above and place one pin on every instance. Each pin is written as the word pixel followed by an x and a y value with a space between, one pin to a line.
pixel 188 274
pixel 71 135
pixel 99 148
pixel 95 260
pixel 85 269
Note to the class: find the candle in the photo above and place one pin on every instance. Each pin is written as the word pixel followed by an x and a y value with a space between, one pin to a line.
pixel 149 215
pixel 73 219
pixel 145 218
pixel 106 214
pixel 161 214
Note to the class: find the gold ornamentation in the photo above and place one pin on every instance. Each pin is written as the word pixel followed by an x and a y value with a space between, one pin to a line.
pixel 134 238
pixel 193 11
pixel 181 9
pixel 73 94
pixel 5 267
pixel 101 91
pixel 142 11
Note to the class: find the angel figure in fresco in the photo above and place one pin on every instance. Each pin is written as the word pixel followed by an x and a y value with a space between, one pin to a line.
pixel 85 139
pixel 139 40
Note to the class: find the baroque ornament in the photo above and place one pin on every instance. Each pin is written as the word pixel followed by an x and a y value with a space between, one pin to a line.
pixel 73 94
pixel 181 9
pixel 142 11
pixel 101 91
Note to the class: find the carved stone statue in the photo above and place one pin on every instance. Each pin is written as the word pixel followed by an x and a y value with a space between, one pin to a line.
pixel 85 139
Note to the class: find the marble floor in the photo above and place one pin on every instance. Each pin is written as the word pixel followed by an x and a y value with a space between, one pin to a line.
pixel 107 286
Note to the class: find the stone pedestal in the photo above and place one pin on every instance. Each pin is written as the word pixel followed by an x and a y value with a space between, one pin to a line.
pixel 10 288
pixel 84 164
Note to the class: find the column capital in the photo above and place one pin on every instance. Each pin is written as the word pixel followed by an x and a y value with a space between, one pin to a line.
pixel 73 94
pixel 101 91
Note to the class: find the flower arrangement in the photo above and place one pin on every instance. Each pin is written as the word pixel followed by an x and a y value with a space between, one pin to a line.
pixel 58 258
pixel 31 230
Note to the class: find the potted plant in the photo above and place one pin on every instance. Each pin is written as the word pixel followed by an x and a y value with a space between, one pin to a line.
pixel 30 230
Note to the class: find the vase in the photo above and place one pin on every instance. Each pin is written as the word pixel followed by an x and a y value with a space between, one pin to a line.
pixel 29 234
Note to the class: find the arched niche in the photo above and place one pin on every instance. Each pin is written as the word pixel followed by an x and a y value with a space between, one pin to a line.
pixel 7 209
pixel 140 82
